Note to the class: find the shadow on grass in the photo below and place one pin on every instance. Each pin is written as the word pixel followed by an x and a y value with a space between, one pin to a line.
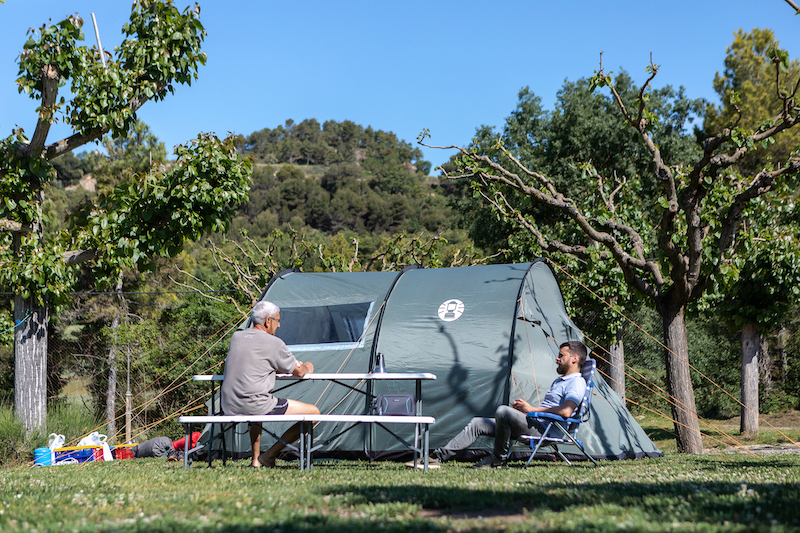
pixel 566 507
pixel 682 502
pixel 658 434
pixel 742 463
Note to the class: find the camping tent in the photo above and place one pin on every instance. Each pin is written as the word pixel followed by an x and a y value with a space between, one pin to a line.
pixel 489 333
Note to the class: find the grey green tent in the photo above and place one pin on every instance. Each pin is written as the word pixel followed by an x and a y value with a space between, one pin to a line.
pixel 489 333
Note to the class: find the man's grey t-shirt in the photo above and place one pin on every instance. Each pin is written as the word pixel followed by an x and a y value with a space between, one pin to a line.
pixel 254 357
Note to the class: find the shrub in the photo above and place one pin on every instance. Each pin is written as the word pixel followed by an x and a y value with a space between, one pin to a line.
pixel 16 448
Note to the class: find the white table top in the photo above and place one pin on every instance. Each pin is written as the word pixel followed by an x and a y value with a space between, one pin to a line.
pixel 330 376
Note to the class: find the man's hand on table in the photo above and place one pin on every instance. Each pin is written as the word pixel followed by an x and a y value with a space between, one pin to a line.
pixel 301 369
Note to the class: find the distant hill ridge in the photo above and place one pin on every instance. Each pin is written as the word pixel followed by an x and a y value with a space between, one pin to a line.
pixel 309 143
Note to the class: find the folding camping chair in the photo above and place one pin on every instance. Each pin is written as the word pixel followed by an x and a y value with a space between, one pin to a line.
pixel 568 426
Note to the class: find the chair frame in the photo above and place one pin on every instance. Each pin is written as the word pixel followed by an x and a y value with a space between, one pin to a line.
pixel 568 426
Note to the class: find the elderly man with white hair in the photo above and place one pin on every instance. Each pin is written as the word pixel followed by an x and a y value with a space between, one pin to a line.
pixel 255 356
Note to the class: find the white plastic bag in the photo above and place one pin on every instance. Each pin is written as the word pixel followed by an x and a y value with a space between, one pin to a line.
pixel 107 452
pixel 55 441
pixel 93 439
pixel 96 439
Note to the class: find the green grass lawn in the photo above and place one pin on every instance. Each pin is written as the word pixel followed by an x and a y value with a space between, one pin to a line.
pixel 722 434
pixel 731 492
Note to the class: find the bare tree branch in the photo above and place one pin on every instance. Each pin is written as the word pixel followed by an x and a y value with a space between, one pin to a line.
pixel 77 257
pixel 14 227
pixel 50 77
pixel 557 200
pixel 579 251
pixel 205 294
pixel 761 184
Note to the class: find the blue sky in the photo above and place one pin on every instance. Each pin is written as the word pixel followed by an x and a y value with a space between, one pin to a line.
pixel 448 66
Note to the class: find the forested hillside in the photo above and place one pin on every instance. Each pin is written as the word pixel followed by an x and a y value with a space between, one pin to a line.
pixel 339 176
pixel 308 143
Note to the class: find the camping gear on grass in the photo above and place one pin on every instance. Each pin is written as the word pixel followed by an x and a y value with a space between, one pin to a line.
pixel 78 454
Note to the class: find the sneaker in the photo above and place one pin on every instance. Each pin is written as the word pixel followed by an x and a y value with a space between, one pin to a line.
pixel 432 463
pixel 490 461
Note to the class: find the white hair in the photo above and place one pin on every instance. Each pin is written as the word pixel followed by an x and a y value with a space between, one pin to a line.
pixel 262 311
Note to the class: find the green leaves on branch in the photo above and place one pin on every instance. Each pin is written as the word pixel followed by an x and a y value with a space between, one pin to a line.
pixel 37 270
pixel 156 213
pixel 17 189
pixel 742 137
pixel 600 80
pixel 161 47
pixel 779 57
pixel 55 46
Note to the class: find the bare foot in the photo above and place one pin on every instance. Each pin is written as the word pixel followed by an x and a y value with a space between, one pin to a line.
pixel 263 460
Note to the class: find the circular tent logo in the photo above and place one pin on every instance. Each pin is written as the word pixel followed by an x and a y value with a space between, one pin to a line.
pixel 451 310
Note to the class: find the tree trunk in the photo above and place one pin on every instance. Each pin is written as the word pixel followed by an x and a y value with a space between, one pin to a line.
pixel 679 379
pixel 616 367
pixel 784 362
pixel 111 391
pixel 751 343
pixel 30 363
pixel 30 358
pixel 765 368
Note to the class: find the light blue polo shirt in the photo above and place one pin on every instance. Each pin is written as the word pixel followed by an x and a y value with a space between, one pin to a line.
pixel 569 387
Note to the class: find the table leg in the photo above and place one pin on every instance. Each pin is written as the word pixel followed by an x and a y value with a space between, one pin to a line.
pixel 211 434
pixel 302 445
pixel 310 446
pixel 419 397
pixel 426 447
pixel 224 447
pixel 186 448
pixel 210 443
pixel 418 391
pixel 417 453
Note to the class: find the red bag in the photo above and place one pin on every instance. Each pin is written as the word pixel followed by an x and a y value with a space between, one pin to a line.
pixel 178 444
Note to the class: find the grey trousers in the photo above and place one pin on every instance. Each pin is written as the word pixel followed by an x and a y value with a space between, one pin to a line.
pixel 507 425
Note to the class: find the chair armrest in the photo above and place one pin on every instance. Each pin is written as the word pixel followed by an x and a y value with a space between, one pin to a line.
pixel 552 417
